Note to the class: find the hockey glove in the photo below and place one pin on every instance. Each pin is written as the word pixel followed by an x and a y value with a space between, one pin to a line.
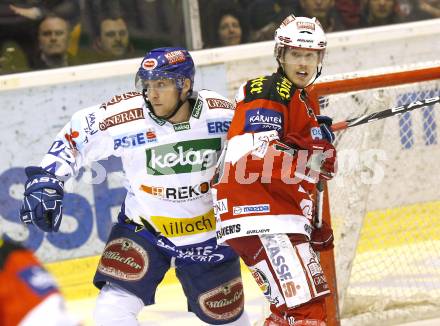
pixel 322 238
pixel 321 156
pixel 42 204
pixel 325 124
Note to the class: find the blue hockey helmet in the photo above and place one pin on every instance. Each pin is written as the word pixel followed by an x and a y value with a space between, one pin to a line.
pixel 169 63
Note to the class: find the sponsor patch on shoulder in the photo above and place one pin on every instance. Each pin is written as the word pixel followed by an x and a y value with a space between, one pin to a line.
pixel 218 103
pixel 121 118
pixel 118 98
pixel 256 85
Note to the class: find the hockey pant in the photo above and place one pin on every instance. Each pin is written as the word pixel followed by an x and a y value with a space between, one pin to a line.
pixel 214 292
pixel 288 272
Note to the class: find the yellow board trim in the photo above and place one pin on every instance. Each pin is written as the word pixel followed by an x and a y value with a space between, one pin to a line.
pixel 75 277
pixel 407 225
pixel 400 226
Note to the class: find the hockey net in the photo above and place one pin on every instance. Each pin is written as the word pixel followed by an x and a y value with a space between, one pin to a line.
pixel 385 200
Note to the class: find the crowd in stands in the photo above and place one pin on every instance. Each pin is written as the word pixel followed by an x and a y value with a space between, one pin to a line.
pixel 42 34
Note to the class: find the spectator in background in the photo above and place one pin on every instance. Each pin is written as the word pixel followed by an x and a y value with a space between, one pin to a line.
pixel 111 43
pixel 229 28
pixel 17 29
pixel 67 9
pixel 19 20
pixel 379 12
pixel 350 12
pixel 430 7
pixel 53 40
pixel 265 16
pixel 408 10
pixel 151 23
pixel 113 40
pixel 325 11
pixel 12 58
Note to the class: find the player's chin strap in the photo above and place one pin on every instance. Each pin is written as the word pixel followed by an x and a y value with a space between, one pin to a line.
pixel 318 73
pixel 165 117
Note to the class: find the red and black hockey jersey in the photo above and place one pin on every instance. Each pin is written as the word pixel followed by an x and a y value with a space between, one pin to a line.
pixel 261 187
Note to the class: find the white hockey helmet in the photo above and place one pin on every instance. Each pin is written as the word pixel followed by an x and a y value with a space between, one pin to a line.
pixel 300 32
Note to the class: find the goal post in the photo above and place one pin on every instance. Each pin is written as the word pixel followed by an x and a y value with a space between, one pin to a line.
pixel 384 203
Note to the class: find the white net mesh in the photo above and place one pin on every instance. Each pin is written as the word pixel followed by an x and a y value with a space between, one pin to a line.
pixel 385 207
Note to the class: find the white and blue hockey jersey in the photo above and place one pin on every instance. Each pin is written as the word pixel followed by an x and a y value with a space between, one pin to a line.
pixel 168 167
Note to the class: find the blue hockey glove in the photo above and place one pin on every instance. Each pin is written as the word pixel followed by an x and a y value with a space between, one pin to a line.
pixel 325 124
pixel 43 200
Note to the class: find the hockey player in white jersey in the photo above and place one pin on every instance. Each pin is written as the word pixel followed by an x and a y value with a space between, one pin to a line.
pixel 168 138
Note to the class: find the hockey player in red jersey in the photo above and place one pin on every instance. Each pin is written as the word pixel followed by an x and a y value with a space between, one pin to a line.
pixel 28 293
pixel 276 153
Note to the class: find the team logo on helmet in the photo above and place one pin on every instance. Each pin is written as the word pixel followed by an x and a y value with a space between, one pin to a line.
pixel 288 20
pixel 285 39
pixel 149 64
pixel 175 57
pixel 305 25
